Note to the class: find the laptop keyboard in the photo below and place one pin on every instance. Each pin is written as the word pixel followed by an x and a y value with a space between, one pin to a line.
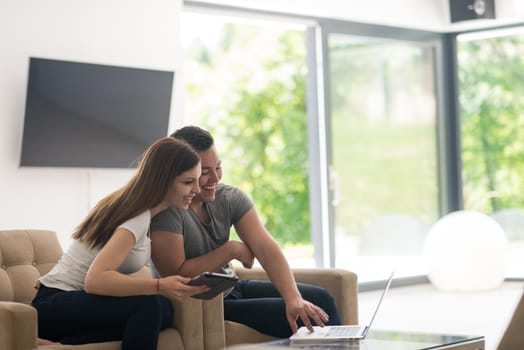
pixel 343 331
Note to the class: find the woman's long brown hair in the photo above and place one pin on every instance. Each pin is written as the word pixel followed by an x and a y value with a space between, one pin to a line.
pixel 164 160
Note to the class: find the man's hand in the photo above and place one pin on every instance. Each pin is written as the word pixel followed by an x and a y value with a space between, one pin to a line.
pixel 307 312
pixel 242 253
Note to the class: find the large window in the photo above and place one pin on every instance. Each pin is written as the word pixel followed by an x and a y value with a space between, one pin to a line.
pixel 360 178
pixel 491 76
pixel 337 131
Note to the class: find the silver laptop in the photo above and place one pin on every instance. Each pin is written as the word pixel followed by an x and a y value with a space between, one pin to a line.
pixel 338 333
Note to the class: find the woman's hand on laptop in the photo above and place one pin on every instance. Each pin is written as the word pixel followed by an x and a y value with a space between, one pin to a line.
pixel 307 312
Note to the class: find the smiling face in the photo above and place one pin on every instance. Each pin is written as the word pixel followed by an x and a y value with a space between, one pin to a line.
pixel 184 188
pixel 211 174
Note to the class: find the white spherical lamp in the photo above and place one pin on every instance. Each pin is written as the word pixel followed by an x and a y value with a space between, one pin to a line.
pixel 465 251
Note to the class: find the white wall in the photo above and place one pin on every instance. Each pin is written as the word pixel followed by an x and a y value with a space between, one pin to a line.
pixel 135 33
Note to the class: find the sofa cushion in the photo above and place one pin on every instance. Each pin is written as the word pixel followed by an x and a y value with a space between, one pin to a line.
pixel 24 256
pixel 169 339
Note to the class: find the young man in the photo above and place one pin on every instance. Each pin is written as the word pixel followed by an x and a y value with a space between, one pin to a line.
pixel 195 241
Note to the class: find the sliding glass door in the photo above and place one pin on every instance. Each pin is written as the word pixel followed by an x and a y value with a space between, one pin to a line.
pixel 383 170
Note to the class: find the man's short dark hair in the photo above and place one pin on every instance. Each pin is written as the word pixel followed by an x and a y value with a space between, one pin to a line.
pixel 198 138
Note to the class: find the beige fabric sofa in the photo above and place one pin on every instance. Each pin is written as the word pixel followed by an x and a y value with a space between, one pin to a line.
pixel 25 255
pixel 198 325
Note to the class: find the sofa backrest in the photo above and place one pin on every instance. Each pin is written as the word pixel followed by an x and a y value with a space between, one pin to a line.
pixel 25 255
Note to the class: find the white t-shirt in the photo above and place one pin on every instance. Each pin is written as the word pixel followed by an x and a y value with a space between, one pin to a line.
pixel 70 271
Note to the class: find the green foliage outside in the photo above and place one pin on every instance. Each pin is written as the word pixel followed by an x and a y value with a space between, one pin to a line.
pixel 392 170
pixel 492 123
pixel 249 92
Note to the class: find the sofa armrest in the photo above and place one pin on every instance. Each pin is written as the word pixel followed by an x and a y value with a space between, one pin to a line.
pixel 213 320
pixel 342 284
pixel 18 330
pixel 200 323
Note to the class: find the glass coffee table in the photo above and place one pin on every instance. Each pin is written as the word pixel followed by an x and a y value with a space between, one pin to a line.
pixel 392 340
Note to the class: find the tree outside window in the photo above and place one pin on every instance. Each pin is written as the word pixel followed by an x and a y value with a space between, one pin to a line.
pixel 245 83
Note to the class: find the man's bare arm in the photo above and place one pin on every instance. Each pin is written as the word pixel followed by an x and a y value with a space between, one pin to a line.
pixel 167 252
pixel 267 251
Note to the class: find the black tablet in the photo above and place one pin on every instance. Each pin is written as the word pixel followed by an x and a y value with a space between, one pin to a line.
pixel 217 282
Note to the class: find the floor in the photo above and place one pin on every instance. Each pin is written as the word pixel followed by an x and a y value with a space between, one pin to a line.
pixel 423 308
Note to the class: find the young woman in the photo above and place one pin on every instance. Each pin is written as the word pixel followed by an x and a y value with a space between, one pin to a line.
pixel 89 296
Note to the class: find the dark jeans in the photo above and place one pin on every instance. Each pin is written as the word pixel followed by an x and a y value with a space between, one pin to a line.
pixel 77 317
pixel 259 305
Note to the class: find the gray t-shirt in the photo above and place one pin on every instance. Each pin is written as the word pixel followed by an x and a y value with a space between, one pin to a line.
pixel 70 271
pixel 229 206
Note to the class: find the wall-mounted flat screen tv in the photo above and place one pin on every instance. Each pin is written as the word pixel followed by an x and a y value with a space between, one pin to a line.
pixel 92 115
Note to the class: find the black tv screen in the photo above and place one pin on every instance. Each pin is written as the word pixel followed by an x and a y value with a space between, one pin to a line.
pixel 92 115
